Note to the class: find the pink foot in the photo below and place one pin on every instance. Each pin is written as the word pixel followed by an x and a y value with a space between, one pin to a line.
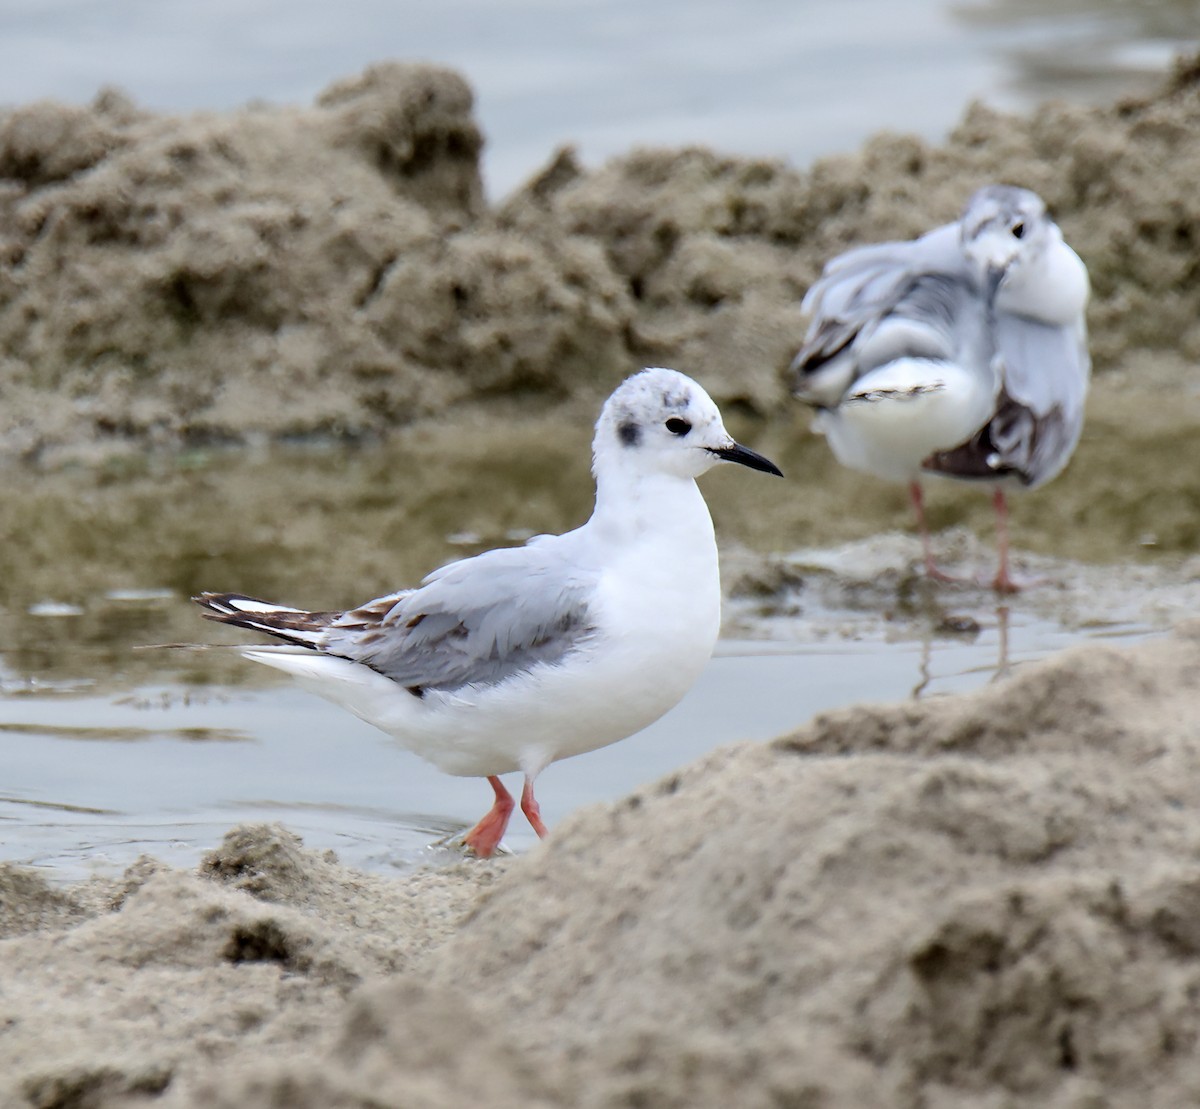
pixel 532 811
pixel 483 838
pixel 1002 583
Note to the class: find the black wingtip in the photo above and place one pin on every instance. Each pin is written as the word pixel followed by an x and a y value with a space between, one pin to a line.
pixel 210 603
pixel 220 607
pixel 217 606
pixel 292 625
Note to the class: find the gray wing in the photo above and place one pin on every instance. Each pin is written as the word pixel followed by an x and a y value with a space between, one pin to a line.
pixel 1046 374
pixel 937 251
pixel 477 621
pixel 1039 413
pixel 877 303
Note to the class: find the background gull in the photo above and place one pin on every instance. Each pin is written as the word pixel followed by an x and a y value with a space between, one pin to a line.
pixel 962 353
pixel 521 656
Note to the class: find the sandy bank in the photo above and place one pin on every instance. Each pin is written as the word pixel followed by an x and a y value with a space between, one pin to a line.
pixel 334 270
pixel 982 900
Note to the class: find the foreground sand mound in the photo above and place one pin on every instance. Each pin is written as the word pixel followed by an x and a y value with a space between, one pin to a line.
pixel 988 900
pixel 335 270
pixel 137 988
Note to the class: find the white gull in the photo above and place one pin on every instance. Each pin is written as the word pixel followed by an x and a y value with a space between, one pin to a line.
pixel 521 656
pixel 961 354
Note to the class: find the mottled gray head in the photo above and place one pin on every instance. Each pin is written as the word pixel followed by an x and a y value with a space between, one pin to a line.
pixel 1005 229
pixel 661 420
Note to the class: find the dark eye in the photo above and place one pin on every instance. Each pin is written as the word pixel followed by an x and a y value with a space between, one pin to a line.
pixel 1018 230
pixel 676 426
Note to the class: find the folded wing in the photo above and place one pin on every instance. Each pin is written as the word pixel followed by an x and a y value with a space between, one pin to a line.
pixel 474 622
pixel 882 302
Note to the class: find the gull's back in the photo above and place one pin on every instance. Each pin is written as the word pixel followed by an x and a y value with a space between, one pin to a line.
pixel 878 303
pixel 1040 410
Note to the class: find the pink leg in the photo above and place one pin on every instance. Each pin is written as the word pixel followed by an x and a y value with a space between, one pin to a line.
pixel 529 807
pixel 918 502
pixel 1003 582
pixel 483 838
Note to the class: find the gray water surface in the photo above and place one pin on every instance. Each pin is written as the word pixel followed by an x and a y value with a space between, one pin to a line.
pixel 778 78
pixel 94 777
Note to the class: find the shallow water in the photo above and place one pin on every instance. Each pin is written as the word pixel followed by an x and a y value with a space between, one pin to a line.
pixel 111 750
pixel 94 779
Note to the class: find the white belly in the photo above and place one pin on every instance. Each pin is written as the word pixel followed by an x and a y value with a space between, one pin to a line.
pixel 898 415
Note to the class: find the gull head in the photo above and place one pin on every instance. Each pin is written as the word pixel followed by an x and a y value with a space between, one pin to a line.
pixel 661 421
pixel 1005 230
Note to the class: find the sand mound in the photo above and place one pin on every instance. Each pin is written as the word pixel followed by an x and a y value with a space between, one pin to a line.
pixel 403 1044
pixel 139 987
pixel 274 272
pixel 717 250
pixel 955 902
pixel 335 270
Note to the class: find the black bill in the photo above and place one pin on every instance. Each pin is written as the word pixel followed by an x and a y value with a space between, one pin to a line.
pixel 993 279
pixel 744 456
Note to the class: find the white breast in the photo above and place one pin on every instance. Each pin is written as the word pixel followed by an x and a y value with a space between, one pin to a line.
pixel 1053 290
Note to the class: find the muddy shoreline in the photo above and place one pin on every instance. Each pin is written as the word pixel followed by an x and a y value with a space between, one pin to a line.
pixel 1114 538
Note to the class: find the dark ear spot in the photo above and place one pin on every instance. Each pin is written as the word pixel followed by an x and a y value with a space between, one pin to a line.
pixel 629 433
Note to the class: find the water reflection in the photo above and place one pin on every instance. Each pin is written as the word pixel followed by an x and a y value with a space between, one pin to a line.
pixel 965 628
pixel 1002 662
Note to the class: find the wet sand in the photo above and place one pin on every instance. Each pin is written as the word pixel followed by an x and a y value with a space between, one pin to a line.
pixel 982 900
